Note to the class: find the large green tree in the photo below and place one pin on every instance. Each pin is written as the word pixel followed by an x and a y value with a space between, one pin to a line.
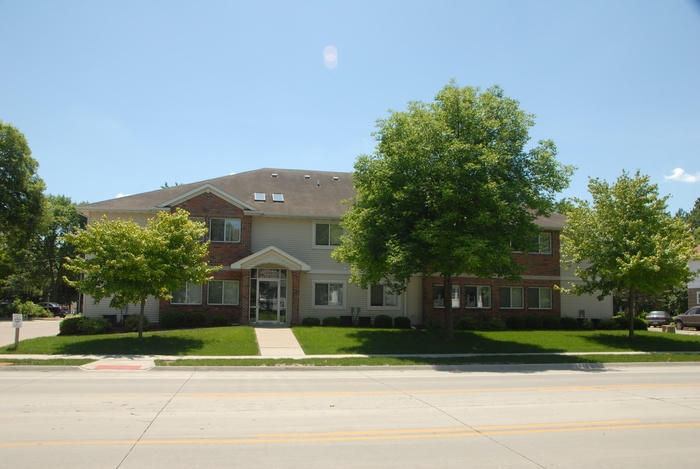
pixel 38 268
pixel 625 241
pixel 21 194
pixel 450 188
pixel 129 262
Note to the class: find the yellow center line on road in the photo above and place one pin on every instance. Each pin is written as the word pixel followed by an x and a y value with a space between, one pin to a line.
pixel 379 435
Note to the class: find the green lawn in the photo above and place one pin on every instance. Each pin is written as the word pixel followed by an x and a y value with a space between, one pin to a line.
pixel 215 341
pixel 240 341
pixel 331 341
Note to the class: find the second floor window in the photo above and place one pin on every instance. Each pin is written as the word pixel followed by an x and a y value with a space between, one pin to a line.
pixel 327 234
pixel 543 244
pixel 225 230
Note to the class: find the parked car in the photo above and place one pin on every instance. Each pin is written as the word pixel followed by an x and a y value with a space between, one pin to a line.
pixel 658 318
pixel 689 318
pixel 55 308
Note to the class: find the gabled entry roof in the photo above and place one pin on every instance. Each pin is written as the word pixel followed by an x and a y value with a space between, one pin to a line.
pixel 271 255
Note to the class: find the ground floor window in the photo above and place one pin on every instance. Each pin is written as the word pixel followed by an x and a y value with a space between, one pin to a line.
pixel 382 296
pixel 330 294
pixel 539 298
pixel 223 292
pixel 511 297
pixel 477 296
pixel 439 296
pixel 188 294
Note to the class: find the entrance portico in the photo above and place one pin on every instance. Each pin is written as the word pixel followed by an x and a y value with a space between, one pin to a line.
pixel 270 286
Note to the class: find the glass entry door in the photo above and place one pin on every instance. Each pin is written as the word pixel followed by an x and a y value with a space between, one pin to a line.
pixel 268 295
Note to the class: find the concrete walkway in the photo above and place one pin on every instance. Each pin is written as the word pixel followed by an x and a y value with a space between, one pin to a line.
pixel 273 342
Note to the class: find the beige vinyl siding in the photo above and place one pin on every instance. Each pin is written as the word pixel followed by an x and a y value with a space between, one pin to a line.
pixel 92 310
pixel 595 309
pixel 295 237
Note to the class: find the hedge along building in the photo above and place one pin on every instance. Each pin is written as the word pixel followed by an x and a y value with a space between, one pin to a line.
pixel 273 230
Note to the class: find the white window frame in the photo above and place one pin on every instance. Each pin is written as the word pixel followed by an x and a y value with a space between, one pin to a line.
pixel 510 297
pixel 223 290
pixel 544 240
pixel 343 295
pixel 314 240
pixel 239 228
pixel 479 296
pixel 697 298
pixel 539 297
pixel 188 287
pixel 440 302
pixel 385 294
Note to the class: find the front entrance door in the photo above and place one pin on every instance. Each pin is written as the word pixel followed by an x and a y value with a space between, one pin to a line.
pixel 268 295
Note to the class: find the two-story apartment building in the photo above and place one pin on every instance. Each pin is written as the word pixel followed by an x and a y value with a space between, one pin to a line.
pixel 273 230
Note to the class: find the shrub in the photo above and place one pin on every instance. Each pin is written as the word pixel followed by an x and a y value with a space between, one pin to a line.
pixel 383 321
pixel 467 324
pixel 432 323
pixel 533 322
pixel 402 322
pixel 515 322
pixel 311 322
pixel 92 326
pixel 569 324
pixel 131 323
pixel 31 310
pixel 69 326
pixel 587 325
pixel 551 323
pixel 607 325
pixel 219 321
pixel 195 320
pixel 623 323
pixel 172 320
pixel 331 321
pixel 495 324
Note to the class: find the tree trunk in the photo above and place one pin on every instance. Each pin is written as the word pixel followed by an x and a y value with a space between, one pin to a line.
pixel 631 312
pixel 449 321
pixel 141 315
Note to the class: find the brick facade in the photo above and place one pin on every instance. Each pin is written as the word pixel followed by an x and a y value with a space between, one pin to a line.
pixel 545 266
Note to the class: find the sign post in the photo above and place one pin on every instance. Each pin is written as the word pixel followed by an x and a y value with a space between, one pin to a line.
pixel 17 324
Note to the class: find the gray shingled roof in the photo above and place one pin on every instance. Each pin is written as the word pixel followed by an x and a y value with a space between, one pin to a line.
pixel 306 193
pixel 313 194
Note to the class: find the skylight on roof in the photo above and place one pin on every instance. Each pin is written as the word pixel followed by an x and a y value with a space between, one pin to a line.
pixel 277 197
pixel 260 197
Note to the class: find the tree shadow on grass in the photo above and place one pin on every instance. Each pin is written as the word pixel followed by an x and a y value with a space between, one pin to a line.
pixel 431 342
pixel 149 345
pixel 645 341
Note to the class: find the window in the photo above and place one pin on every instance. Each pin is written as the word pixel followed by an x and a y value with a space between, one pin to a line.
pixel 276 197
pixel 511 297
pixel 188 294
pixel 543 243
pixel 477 297
pixel 327 234
pixel 329 294
pixel 539 298
pixel 225 230
pixel 259 197
pixel 223 292
pixel 439 296
pixel 381 296
pixel 697 298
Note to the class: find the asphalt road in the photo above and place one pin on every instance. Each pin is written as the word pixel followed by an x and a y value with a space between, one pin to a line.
pixel 488 417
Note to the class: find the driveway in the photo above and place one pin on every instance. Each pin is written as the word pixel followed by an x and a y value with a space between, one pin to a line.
pixel 30 329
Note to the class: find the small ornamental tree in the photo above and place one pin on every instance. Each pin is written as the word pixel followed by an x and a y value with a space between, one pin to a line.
pixel 129 262
pixel 626 241
pixel 450 188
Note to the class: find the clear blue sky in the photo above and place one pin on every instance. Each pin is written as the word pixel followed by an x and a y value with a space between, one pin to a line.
pixel 119 97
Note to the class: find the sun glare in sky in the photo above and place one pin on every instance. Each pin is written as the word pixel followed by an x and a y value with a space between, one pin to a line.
pixel 330 57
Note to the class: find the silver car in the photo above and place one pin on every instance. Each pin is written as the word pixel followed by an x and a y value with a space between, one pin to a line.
pixel 689 318
pixel 658 318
